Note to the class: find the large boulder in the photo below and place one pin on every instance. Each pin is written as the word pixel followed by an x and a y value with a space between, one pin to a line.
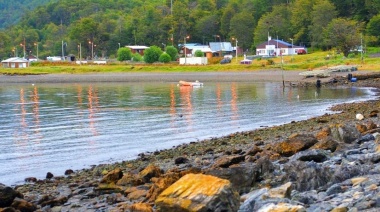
pixel 113 176
pixel 7 195
pixel 345 133
pixel 294 144
pixel 149 172
pixel 242 178
pixel 23 205
pixel 199 192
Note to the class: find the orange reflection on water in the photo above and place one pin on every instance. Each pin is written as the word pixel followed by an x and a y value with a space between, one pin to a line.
pixel 185 92
pixel 172 110
pixel 79 93
pixel 234 99
pixel 23 111
pixel 92 107
pixel 36 109
pixel 219 102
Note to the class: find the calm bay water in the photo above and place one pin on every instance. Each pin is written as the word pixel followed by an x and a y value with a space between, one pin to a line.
pixel 56 127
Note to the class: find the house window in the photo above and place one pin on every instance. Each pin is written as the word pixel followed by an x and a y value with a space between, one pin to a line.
pixel 13 65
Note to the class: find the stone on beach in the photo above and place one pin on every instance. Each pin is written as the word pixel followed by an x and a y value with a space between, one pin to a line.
pixel 198 192
pixel 295 144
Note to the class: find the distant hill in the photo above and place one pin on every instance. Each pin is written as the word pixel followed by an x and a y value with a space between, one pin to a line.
pixel 11 11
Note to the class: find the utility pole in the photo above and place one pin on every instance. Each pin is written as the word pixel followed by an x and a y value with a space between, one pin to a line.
pixel 36 44
pixel 184 46
pixel 63 52
pixel 361 46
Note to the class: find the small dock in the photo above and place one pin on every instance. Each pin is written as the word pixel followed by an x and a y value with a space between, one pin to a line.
pixel 327 72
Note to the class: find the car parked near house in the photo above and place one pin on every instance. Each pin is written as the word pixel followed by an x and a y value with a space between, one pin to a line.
pixel 301 51
pixel 225 60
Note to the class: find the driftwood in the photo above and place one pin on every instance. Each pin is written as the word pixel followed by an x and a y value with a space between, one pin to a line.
pixel 366 76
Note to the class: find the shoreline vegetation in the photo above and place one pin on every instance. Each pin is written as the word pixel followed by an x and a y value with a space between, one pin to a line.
pixel 326 163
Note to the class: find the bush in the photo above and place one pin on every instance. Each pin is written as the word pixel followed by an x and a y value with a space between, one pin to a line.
pixel 136 57
pixel 164 58
pixel 198 53
pixel 124 54
pixel 152 54
pixel 270 62
pixel 173 52
pixel 215 60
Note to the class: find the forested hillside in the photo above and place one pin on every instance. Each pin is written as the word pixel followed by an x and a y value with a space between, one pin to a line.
pixel 11 11
pixel 103 25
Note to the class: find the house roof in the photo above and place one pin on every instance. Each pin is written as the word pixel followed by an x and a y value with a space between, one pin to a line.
pixel 221 46
pixel 137 47
pixel 202 48
pixel 277 43
pixel 15 60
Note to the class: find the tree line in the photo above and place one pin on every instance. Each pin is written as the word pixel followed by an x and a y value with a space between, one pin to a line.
pixel 100 27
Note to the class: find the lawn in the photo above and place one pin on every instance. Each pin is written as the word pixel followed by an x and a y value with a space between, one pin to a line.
pixel 315 60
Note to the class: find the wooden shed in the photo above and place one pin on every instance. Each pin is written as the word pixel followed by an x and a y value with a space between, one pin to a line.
pixel 137 49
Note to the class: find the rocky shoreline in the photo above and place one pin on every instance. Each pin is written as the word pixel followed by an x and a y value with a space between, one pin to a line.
pixel 327 163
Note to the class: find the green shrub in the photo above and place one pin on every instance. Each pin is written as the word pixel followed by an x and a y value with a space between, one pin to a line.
pixel 198 53
pixel 164 58
pixel 173 52
pixel 152 54
pixel 136 57
pixel 124 54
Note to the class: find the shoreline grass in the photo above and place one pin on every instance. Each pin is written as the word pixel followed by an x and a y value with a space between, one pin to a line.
pixel 317 60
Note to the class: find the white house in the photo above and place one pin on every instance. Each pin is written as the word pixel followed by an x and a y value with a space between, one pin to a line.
pixel 15 62
pixel 274 47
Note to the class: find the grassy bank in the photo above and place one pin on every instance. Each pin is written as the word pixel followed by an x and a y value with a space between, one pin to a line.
pixel 316 60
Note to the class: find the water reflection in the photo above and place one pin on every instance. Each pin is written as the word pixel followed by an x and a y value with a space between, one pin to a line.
pixel 234 99
pixel 185 94
pixel 172 110
pixel 36 113
pixel 58 124
pixel 93 105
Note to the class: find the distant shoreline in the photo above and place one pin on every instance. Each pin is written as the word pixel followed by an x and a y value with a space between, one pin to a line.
pixel 246 76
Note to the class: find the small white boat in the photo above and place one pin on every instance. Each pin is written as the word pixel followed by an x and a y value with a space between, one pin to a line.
pixel 193 84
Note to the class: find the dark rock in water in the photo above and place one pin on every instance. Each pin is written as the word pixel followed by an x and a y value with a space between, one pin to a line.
pixel 315 155
pixel 181 160
pixel 7 195
pixel 49 175
pixel 365 138
pixel 30 180
pixel 68 172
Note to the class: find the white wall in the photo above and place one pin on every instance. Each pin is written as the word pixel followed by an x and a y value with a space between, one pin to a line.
pixel 193 61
